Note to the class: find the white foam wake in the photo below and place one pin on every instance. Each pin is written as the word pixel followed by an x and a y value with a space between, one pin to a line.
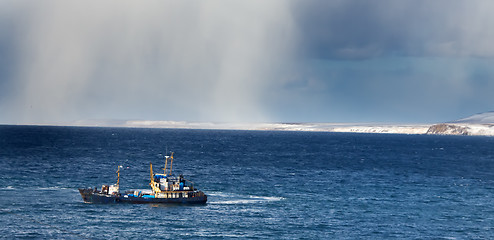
pixel 231 198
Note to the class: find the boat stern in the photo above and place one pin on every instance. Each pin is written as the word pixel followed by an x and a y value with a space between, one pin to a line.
pixel 86 194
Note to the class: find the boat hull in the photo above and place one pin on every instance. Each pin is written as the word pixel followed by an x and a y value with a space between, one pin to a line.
pixel 91 196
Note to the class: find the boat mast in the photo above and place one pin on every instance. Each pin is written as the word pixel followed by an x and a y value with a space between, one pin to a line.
pixel 171 163
pixel 152 183
pixel 118 175
pixel 151 173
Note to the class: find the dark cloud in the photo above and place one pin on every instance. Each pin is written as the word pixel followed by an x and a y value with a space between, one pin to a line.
pixel 310 60
pixel 364 29
pixel 389 89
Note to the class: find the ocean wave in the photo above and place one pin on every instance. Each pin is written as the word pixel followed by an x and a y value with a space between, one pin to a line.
pixel 52 188
pixel 221 194
pixel 239 201
pixel 267 198
pixel 232 198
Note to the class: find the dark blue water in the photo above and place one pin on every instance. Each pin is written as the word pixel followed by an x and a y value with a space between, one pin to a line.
pixel 283 185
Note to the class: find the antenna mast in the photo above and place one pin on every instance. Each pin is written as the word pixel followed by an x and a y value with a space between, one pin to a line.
pixel 166 162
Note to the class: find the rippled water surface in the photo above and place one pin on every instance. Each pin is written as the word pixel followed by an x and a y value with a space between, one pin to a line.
pixel 284 185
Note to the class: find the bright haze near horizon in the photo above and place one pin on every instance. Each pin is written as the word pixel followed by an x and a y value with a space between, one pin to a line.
pixel 410 61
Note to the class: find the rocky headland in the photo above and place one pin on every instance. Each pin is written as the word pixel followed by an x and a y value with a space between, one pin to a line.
pixel 481 124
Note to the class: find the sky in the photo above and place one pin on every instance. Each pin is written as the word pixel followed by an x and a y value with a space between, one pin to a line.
pixel 406 61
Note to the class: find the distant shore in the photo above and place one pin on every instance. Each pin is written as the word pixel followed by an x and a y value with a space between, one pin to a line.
pixel 307 127
pixel 433 129
pixel 470 129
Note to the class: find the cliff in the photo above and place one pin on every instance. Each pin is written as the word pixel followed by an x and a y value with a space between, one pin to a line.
pixel 448 129
pixel 481 124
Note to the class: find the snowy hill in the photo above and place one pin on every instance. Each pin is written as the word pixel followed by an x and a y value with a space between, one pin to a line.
pixel 481 124
pixel 480 118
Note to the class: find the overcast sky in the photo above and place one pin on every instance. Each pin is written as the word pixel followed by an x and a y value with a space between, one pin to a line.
pixel 246 61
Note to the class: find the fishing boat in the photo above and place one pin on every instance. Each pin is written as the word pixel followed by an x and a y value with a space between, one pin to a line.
pixel 165 188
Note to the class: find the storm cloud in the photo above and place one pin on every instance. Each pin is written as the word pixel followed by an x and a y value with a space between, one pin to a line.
pixel 366 29
pixel 390 60
pixel 313 60
pixel 193 60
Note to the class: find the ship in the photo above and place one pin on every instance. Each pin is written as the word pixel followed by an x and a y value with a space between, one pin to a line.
pixel 165 188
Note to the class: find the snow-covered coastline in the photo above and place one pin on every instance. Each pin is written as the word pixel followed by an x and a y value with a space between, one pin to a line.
pixel 481 124
pixel 309 127
pixel 472 129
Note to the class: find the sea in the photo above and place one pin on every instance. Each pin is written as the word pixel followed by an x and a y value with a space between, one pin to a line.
pixel 260 184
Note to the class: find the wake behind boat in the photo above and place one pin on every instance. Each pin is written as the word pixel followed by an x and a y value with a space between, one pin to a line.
pixel 165 188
